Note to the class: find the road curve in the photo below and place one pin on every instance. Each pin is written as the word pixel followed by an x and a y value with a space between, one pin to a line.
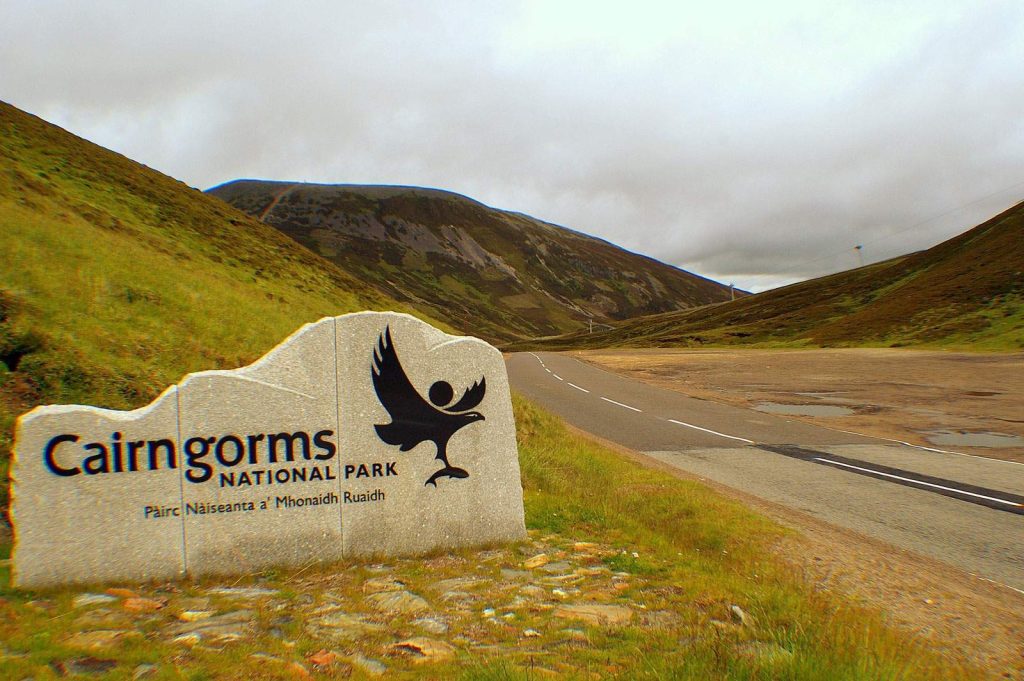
pixel 966 511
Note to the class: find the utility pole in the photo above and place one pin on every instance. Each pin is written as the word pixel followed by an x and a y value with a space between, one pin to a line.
pixel 860 255
pixel 732 292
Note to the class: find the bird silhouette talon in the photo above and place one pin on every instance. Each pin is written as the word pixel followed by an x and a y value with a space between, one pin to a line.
pixel 446 472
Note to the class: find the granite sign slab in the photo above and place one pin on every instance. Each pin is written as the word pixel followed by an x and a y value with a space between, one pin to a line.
pixel 359 435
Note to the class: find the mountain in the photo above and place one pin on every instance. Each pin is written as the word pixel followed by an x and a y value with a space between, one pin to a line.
pixel 492 273
pixel 967 291
pixel 116 280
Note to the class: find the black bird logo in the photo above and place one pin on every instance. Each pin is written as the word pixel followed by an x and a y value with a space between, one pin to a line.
pixel 413 419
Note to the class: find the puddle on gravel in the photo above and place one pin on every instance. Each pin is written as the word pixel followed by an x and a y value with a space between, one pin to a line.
pixel 803 409
pixel 986 439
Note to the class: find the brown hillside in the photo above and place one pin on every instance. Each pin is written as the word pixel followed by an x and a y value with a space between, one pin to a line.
pixel 966 291
pixel 493 273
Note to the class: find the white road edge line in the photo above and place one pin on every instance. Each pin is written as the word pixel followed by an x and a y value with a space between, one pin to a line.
pixel 558 377
pixel 547 370
pixel 927 449
pixel 621 404
pixel 577 387
pixel 713 432
pixel 919 482
pixel 992 581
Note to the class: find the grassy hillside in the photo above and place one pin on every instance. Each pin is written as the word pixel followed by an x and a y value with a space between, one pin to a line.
pixel 965 292
pixel 503 275
pixel 116 280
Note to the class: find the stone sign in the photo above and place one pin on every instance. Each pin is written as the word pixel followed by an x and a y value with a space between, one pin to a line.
pixel 360 435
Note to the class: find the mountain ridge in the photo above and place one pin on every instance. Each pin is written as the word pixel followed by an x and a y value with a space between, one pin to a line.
pixel 495 273
pixel 967 291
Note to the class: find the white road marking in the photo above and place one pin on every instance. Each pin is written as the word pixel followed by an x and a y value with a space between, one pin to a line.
pixel 577 387
pixel 927 449
pixel 713 432
pixel 992 581
pixel 621 404
pixel 547 370
pixel 558 377
pixel 920 482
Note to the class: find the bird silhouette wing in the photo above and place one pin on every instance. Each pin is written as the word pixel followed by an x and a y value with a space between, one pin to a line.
pixel 471 397
pixel 413 419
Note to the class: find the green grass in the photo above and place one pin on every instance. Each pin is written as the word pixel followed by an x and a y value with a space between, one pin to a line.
pixel 116 280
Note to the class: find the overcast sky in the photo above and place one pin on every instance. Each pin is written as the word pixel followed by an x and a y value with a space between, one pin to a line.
pixel 755 143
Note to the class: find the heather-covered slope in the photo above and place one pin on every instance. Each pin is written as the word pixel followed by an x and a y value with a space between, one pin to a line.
pixel 115 280
pixel 965 292
pixel 492 273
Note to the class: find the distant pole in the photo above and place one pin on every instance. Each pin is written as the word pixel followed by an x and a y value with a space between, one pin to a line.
pixel 860 255
pixel 732 292
pixel 591 320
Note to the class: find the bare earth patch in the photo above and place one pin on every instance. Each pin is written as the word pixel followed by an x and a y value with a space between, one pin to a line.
pixel 907 395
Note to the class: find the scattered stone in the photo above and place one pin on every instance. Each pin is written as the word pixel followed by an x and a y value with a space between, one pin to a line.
pixel 323 658
pixel 592 571
pixel 195 615
pixel 531 633
pixel 556 568
pixel 560 593
pixel 432 625
pixel 83 665
pixel 368 666
pixel 101 618
pixel 340 626
pixel 606 615
pixel 533 590
pixel 231 626
pixel 144 671
pixel 144 604
pixel 305 599
pixel 460 598
pixel 299 670
pixel 398 603
pixel 121 593
pixel 457 584
pixel 265 657
pixel 242 592
pixel 100 638
pixel 536 561
pixel 382 584
pixel 514 575
pixel 739 616
pixel 488 612
pixel 421 650
pixel 83 600
pixel 659 619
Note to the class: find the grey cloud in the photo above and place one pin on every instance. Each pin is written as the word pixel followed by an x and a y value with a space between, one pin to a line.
pixel 725 162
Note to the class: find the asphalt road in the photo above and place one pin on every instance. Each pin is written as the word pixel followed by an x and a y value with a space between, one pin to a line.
pixel 966 511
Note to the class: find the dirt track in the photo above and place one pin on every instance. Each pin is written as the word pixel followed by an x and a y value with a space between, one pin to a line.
pixel 903 395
